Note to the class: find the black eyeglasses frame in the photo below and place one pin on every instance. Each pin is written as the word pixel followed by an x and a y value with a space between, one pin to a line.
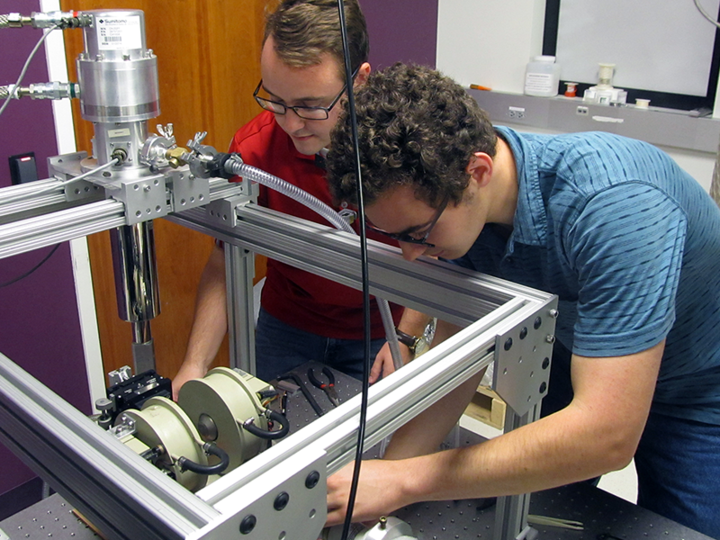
pixel 297 109
pixel 406 238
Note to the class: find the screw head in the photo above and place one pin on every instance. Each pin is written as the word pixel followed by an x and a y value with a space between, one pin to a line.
pixel 248 524
pixel 281 501
pixel 312 479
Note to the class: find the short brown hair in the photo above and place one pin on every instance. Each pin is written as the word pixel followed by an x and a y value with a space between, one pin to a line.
pixel 304 30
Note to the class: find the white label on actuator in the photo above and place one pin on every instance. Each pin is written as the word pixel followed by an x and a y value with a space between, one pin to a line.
pixel 119 33
pixel 115 133
pixel 538 82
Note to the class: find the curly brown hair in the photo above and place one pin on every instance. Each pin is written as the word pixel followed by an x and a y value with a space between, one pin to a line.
pixel 304 30
pixel 416 127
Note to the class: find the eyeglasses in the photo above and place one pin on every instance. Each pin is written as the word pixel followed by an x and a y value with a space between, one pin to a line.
pixel 416 237
pixel 307 113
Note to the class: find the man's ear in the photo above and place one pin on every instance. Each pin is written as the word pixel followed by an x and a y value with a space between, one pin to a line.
pixel 362 74
pixel 480 168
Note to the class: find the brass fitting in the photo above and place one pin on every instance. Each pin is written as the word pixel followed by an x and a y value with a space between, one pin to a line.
pixel 174 156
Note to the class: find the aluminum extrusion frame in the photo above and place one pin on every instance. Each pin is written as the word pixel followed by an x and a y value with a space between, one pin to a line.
pixel 128 498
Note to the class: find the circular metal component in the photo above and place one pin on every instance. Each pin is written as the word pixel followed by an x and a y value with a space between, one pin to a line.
pixel 117 74
pixel 103 404
pixel 163 423
pixel 225 397
pixel 207 428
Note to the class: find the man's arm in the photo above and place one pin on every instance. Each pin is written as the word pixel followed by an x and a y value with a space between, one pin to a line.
pixel 598 432
pixel 210 323
pixel 413 323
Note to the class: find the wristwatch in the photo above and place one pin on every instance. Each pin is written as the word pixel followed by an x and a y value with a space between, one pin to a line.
pixel 417 345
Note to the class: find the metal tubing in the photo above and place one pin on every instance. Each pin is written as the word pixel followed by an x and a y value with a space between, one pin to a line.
pixel 136 283
pixel 136 286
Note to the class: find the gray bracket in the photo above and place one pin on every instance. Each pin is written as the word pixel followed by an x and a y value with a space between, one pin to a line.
pixel 145 198
pixel 222 211
pixel 66 167
pixel 522 361
pixel 187 190
pixel 283 506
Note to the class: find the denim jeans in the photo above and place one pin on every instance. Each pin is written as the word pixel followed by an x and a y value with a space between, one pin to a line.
pixel 678 465
pixel 280 347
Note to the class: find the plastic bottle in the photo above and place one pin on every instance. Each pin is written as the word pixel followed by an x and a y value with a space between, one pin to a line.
pixel 542 77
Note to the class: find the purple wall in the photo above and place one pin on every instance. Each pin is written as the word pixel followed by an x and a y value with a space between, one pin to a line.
pixel 39 327
pixel 401 31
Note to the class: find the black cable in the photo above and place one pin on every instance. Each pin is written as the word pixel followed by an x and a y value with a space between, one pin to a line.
pixel 26 274
pixel 210 449
pixel 278 418
pixel 364 267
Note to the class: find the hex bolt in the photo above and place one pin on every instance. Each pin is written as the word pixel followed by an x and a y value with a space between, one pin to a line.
pixel 248 524
pixel 383 523
pixel 550 338
pixel 281 501
pixel 312 479
pixel 554 313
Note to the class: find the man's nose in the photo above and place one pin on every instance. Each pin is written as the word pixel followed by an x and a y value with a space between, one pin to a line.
pixel 293 122
pixel 411 251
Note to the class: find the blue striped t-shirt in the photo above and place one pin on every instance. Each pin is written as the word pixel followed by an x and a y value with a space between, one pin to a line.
pixel 630 243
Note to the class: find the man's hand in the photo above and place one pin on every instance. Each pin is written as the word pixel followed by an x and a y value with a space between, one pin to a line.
pixel 187 372
pixel 383 365
pixel 379 492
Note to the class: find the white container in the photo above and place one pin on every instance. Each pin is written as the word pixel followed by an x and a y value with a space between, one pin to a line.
pixel 542 77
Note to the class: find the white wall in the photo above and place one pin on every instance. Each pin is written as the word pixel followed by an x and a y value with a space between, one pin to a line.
pixel 489 42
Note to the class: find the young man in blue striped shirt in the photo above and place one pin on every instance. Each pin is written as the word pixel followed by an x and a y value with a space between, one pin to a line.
pixel 627 240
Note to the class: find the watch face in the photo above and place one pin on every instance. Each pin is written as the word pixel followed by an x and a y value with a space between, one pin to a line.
pixel 421 346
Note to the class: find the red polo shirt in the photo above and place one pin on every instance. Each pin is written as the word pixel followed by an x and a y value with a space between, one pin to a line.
pixel 298 298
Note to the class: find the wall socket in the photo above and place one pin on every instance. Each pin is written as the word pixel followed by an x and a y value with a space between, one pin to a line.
pixel 516 113
pixel 581 110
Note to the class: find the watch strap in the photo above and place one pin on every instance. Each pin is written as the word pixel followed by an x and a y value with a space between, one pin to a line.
pixel 408 340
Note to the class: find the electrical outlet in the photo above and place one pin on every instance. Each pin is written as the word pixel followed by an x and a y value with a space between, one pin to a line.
pixel 516 113
pixel 582 110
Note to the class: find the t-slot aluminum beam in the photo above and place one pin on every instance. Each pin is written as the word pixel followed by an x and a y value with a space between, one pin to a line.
pixel 32 218
pixel 460 297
